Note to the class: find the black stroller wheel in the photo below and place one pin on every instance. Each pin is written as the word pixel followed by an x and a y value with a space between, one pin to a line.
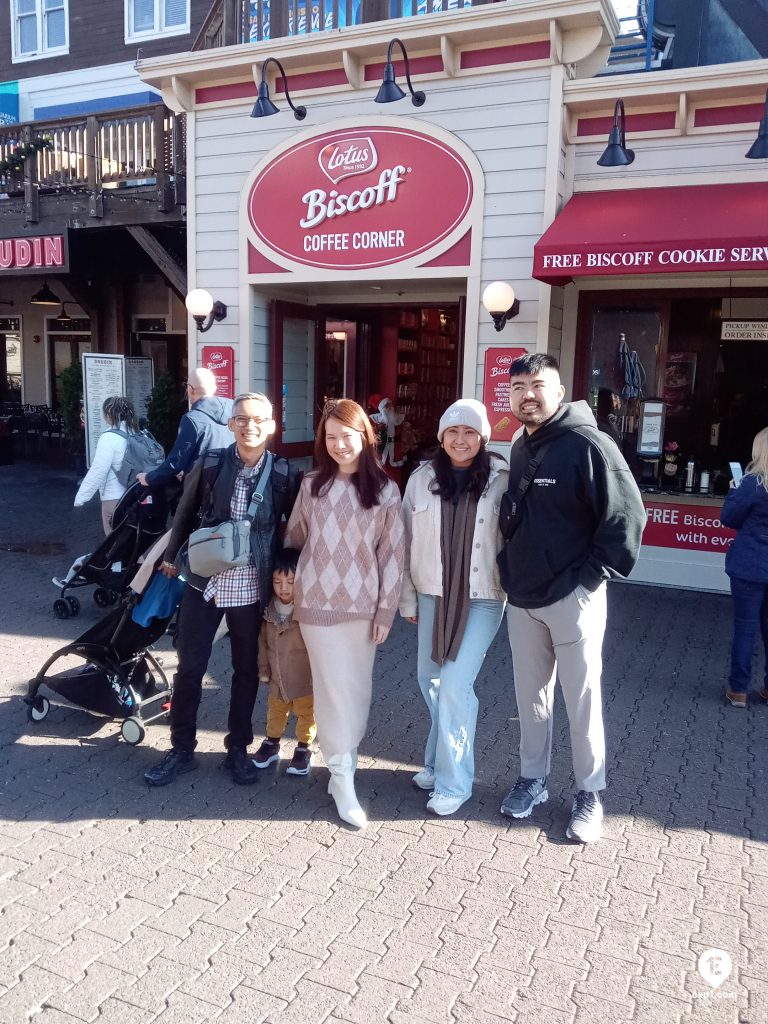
pixel 74 605
pixel 101 597
pixel 61 609
pixel 114 596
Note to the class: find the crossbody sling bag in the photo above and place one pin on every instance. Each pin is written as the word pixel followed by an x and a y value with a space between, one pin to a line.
pixel 509 511
pixel 213 549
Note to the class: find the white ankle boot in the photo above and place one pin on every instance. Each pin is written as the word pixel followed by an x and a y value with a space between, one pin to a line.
pixel 342 788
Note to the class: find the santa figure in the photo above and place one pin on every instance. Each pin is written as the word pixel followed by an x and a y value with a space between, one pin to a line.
pixel 386 420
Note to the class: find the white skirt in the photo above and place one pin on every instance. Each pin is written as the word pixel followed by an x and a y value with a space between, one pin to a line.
pixel 341 658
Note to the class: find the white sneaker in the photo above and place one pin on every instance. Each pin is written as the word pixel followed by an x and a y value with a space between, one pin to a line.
pixel 443 805
pixel 586 824
pixel 425 779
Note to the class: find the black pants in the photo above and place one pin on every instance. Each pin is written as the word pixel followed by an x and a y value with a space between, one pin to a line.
pixel 197 625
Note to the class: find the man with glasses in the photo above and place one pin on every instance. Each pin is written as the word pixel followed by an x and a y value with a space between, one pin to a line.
pixel 202 429
pixel 220 487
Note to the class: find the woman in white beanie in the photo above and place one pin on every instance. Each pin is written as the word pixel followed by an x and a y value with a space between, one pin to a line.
pixel 451 589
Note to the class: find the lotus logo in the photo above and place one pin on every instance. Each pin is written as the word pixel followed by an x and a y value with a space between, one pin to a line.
pixel 505 360
pixel 217 356
pixel 349 156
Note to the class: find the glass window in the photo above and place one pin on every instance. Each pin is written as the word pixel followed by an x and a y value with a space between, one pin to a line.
pixel 40 28
pixel 175 13
pixel 298 379
pixel 11 367
pixel 156 17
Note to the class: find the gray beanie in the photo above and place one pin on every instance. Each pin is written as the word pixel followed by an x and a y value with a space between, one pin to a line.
pixel 467 412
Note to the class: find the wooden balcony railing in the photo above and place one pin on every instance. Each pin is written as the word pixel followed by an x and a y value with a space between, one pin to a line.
pixel 230 22
pixel 125 147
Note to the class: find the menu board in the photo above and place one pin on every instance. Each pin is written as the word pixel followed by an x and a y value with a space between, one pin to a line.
pixel 103 377
pixel 139 381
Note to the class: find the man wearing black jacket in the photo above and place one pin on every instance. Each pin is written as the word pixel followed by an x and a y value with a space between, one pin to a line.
pixel 578 523
pixel 220 487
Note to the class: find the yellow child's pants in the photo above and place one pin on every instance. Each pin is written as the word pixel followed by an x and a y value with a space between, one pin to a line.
pixel 277 717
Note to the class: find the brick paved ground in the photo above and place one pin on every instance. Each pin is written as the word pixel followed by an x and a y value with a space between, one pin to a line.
pixel 210 902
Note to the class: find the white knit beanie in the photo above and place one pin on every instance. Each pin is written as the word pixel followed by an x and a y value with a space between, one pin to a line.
pixel 467 412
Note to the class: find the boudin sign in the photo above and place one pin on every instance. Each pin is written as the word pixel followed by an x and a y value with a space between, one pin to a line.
pixel 35 252
pixel 360 198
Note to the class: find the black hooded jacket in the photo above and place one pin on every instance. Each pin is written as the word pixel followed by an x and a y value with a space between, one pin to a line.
pixel 582 518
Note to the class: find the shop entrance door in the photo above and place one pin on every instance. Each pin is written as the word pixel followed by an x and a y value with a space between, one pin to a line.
pixel 294 342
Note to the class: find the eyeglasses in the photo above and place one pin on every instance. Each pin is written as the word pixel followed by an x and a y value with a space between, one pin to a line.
pixel 243 421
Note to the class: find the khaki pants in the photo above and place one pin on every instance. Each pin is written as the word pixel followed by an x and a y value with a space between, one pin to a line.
pixel 277 717
pixel 107 508
pixel 565 641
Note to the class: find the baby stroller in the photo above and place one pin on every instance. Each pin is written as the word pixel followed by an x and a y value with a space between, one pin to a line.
pixel 109 669
pixel 137 522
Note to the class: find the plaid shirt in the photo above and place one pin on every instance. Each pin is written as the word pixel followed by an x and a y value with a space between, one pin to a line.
pixel 235 588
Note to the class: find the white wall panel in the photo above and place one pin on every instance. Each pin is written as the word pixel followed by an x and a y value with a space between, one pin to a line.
pixel 503 118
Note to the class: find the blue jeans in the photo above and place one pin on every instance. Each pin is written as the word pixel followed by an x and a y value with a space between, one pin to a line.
pixel 449 692
pixel 750 613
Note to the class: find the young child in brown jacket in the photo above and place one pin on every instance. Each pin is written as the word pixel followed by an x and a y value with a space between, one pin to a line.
pixel 283 663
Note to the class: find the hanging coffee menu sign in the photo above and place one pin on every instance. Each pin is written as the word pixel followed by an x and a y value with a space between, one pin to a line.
pixel 358 199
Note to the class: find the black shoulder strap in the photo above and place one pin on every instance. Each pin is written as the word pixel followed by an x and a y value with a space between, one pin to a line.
pixel 527 478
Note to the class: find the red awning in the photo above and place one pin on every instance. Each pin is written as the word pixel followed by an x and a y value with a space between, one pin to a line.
pixel 690 229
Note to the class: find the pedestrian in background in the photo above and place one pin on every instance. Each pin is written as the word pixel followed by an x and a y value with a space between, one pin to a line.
pixel 347 524
pixel 452 591
pixel 119 415
pixel 204 428
pixel 746 562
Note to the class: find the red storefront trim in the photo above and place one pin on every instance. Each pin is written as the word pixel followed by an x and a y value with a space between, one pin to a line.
pixel 654 121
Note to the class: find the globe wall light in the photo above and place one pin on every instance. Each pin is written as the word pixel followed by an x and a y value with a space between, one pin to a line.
pixel 499 300
pixel 204 309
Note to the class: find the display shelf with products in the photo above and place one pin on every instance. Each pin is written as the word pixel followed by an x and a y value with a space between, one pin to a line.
pixel 427 373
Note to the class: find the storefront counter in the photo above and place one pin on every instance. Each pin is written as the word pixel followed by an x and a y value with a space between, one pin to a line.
pixel 684 543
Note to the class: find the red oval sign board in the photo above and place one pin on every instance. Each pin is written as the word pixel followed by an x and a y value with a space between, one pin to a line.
pixel 360 198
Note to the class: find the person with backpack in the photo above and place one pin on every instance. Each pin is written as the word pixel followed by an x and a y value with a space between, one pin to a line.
pixel 224 488
pixel 202 429
pixel 107 475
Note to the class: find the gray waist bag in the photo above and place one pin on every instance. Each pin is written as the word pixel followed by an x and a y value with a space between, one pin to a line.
pixel 214 549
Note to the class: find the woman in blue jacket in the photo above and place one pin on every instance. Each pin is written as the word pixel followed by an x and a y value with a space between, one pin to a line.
pixel 746 510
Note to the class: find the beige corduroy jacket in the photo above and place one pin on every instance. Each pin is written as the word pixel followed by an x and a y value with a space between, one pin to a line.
pixel 422 518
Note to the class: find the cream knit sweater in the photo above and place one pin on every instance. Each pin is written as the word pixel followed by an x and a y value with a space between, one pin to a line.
pixel 351 562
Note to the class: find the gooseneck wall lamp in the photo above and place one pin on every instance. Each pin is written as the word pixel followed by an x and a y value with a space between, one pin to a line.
pixel 63 317
pixel 264 105
pixel 759 148
pixel 499 300
pixel 45 297
pixel 204 310
pixel 389 90
pixel 616 153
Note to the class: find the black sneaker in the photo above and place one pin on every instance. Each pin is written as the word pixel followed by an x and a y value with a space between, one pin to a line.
pixel 301 762
pixel 586 824
pixel 175 762
pixel 244 771
pixel 267 754
pixel 523 797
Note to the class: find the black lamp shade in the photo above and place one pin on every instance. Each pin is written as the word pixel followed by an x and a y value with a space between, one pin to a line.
pixel 616 153
pixel 389 90
pixel 45 297
pixel 264 105
pixel 63 317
